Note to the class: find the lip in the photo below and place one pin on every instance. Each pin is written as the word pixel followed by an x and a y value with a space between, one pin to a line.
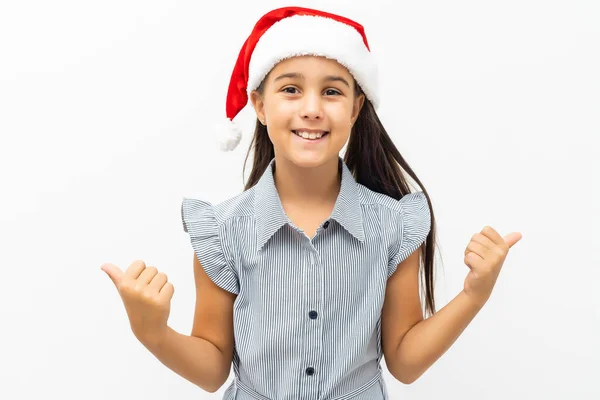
pixel 311 130
pixel 325 135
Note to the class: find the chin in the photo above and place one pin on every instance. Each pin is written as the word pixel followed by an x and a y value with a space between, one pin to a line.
pixel 310 160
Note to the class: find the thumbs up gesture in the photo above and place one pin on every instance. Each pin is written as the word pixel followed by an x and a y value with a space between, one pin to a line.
pixel 485 255
pixel 146 295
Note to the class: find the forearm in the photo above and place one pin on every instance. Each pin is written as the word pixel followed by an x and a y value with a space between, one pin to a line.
pixel 195 359
pixel 427 341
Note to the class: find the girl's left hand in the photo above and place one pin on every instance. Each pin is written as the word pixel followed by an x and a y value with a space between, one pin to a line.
pixel 485 255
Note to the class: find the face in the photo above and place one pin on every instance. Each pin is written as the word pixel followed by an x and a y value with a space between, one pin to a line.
pixel 308 105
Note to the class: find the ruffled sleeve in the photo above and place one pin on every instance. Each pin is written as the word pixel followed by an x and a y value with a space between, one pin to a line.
pixel 409 228
pixel 198 218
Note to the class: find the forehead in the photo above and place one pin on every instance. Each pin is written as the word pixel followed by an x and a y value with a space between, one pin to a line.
pixel 310 66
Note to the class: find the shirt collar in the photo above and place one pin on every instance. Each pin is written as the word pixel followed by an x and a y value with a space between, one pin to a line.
pixel 270 216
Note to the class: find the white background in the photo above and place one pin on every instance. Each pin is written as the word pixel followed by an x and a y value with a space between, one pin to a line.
pixel 104 109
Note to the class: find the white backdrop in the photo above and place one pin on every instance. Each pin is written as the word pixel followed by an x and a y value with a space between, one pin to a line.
pixel 103 115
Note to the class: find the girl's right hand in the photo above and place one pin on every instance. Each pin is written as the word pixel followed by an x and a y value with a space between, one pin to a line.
pixel 146 295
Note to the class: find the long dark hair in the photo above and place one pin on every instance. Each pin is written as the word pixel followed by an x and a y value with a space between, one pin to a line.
pixel 374 161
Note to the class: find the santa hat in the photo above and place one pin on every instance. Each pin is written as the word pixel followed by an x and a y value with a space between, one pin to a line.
pixel 294 31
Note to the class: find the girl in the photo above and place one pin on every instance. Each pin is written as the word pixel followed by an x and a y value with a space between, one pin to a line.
pixel 308 278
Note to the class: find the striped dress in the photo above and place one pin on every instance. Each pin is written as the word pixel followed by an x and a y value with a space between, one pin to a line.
pixel 307 317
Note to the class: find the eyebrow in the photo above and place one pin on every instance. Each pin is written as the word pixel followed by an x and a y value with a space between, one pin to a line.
pixel 328 78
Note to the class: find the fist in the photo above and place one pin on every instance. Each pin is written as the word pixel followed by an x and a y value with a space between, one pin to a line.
pixel 147 295
pixel 485 254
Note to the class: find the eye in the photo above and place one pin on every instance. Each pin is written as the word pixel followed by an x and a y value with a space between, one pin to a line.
pixel 332 90
pixel 286 90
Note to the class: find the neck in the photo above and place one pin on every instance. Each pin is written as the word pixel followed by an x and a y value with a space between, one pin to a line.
pixel 319 185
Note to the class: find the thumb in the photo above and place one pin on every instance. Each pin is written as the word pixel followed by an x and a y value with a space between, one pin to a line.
pixel 113 272
pixel 512 238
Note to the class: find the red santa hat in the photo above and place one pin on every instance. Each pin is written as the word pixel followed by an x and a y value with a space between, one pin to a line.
pixel 294 31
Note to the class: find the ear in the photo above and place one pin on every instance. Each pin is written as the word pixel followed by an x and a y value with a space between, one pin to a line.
pixel 258 104
pixel 358 103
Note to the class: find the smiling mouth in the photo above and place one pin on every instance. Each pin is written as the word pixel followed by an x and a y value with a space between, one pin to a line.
pixel 310 135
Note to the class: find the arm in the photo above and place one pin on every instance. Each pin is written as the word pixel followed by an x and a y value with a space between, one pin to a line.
pixel 194 358
pixel 411 344
pixel 203 358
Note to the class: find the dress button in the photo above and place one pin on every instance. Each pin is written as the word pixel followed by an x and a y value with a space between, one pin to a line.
pixel 310 371
pixel 312 314
pixel 326 224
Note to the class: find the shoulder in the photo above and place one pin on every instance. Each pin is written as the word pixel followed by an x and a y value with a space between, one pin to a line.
pixel 411 202
pixel 403 224
pixel 240 205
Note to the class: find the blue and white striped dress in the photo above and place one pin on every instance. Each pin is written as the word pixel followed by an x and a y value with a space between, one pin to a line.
pixel 307 317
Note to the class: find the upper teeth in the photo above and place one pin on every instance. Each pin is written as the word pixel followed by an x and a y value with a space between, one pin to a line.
pixel 311 135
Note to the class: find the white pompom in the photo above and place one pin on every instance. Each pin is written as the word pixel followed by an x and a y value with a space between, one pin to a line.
pixel 228 135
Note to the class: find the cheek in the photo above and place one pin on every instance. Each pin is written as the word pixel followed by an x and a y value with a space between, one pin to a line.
pixel 278 109
pixel 340 113
pixel 341 138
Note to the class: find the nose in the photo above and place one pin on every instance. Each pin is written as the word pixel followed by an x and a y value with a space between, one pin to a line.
pixel 312 106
